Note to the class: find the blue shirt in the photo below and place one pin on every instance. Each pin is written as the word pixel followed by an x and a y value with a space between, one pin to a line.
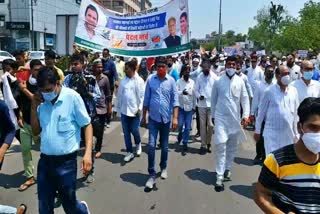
pixel 7 128
pixel 161 96
pixel 109 69
pixel 174 73
pixel 61 123
pixel 316 75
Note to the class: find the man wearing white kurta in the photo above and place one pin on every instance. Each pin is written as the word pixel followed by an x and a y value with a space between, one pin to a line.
pixel 255 73
pixel 203 90
pixel 227 94
pixel 261 87
pixel 278 108
pixel 306 87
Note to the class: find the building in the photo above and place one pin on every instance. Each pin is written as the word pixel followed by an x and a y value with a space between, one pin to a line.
pixel 127 6
pixel 16 22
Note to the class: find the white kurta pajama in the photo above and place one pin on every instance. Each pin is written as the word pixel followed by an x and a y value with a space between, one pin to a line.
pixel 227 95
pixel 279 111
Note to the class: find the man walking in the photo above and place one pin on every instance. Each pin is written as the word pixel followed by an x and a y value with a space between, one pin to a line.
pixel 59 120
pixel 306 87
pixel 160 100
pixel 228 93
pixel 203 90
pixel 130 101
pixel 187 104
pixel 103 105
pixel 278 108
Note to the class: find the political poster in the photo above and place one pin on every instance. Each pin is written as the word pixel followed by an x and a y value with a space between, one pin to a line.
pixel 303 53
pixel 261 53
pixel 154 32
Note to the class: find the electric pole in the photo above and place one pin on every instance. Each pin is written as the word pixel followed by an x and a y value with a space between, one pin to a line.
pixel 220 27
pixel 32 30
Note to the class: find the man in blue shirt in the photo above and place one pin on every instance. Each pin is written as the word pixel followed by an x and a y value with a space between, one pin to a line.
pixel 161 98
pixel 7 130
pixel 58 115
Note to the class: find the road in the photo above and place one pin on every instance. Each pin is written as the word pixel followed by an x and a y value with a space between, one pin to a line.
pixel 119 188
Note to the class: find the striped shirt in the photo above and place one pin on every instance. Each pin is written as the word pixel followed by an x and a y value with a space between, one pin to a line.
pixel 295 185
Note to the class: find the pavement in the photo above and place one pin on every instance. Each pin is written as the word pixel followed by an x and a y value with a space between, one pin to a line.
pixel 119 188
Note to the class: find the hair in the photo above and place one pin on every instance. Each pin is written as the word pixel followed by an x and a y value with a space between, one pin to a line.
pixel 160 59
pixel 267 68
pixel 231 59
pixel 18 53
pixel 239 61
pixel 10 62
pixel 254 57
pixel 183 69
pixel 47 76
pixel 50 54
pixel 91 7
pixel 185 15
pixel 84 53
pixel 131 64
pixel 309 107
pixel 106 49
pixel 172 19
pixel 205 61
pixel 77 57
pixel 277 71
pixel 121 58
pixel 35 62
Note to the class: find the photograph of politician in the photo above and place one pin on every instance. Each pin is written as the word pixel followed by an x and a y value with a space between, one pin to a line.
pixel 172 40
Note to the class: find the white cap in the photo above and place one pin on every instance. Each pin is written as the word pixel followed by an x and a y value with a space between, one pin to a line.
pixel 221 59
pixel 284 57
pixel 195 60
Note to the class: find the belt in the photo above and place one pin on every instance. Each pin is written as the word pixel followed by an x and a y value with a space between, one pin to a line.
pixel 60 157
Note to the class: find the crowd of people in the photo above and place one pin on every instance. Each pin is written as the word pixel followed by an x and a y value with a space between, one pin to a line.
pixel 63 110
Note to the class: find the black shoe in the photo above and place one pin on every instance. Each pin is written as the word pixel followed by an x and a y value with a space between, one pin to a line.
pixel 184 150
pixel 219 187
pixel 197 135
pixel 202 151
pixel 209 148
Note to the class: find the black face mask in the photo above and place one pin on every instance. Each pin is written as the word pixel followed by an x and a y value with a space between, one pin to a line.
pixel 269 75
pixel 206 73
pixel 170 65
pixel 186 77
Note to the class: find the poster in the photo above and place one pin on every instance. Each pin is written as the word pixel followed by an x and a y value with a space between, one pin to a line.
pixel 154 32
pixel 303 54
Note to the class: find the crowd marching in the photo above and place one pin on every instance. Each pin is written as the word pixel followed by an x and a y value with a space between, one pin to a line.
pixel 62 110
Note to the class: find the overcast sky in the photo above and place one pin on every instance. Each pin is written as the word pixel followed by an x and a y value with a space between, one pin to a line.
pixel 237 15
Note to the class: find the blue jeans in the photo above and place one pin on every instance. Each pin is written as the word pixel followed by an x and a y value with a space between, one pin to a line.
pixel 58 173
pixel 184 120
pixel 130 125
pixel 163 129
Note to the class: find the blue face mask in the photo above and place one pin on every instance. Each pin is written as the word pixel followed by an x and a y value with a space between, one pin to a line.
pixel 307 75
pixel 49 96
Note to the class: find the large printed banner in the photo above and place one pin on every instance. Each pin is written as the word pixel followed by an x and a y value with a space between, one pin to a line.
pixel 158 31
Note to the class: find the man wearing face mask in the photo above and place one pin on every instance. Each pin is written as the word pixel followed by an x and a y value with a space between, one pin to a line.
pixel 26 137
pixel 187 104
pixel 244 77
pixel 203 89
pixel 306 87
pixel 160 100
pixel 228 93
pixel 216 67
pixel 58 116
pixel 195 69
pixel 171 70
pixel 278 108
pixel 255 73
pixel 257 97
pixel 294 69
pixel 289 179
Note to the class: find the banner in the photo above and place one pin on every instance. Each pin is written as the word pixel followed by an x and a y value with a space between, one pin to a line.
pixel 154 32
pixel 303 53
pixel 261 53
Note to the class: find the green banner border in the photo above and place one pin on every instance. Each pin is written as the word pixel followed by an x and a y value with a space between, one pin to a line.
pixel 132 53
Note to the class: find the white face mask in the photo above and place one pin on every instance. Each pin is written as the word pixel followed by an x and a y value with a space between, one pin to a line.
pixel 32 80
pixel 231 71
pixel 312 142
pixel 285 80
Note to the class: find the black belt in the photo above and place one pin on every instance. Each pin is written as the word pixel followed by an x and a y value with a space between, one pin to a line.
pixel 60 157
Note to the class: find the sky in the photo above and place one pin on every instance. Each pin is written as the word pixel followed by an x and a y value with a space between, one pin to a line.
pixel 237 15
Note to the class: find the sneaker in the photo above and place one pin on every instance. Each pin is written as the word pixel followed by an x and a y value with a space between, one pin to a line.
pixel 90 178
pixel 150 183
pixel 86 205
pixel 203 150
pixel 197 135
pixel 108 125
pixel 138 149
pixel 227 175
pixel 209 148
pixel 219 187
pixel 128 157
pixel 164 174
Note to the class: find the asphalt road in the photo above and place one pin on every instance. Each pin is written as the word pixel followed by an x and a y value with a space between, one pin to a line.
pixel 119 188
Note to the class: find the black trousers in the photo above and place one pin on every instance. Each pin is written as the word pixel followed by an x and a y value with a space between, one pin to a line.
pixel 198 120
pixel 101 119
pixel 261 154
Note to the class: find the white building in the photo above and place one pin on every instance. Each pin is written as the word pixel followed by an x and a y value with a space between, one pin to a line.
pixel 16 33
